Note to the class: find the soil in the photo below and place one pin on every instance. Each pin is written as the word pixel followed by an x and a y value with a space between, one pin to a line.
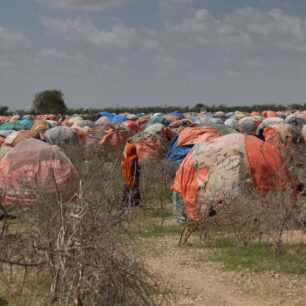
pixel 196 281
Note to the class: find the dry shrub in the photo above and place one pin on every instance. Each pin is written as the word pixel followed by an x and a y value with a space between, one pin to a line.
pixel 155 186
pixel 246 217
pixel 77 253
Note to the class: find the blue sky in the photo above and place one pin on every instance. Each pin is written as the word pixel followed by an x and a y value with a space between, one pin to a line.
pixel 153 52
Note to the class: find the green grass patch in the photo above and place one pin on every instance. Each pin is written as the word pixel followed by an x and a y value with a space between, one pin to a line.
pixel 157 231
pixel 258 257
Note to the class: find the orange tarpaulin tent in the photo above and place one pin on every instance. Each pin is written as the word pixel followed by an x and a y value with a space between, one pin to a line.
pixel 230 163
pixel 34 166
pixel 197 135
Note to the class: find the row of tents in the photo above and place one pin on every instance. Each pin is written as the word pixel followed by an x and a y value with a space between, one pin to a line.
pixel 205 153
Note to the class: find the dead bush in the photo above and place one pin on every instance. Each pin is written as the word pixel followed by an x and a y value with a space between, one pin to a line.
pixel 77 253
pixel 246 217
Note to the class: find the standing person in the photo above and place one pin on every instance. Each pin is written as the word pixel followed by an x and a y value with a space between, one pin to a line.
pixel 131 174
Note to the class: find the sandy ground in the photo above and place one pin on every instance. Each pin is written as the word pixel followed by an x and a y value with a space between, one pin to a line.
pixel 195 281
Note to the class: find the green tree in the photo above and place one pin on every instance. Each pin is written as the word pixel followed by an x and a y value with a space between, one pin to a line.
pixel 49 102
pixel 3 110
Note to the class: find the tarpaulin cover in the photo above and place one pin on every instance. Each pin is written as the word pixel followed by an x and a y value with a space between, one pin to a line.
pixel 296 120
pixel 132 126
pixel 197 135
pixel 154 128
pixel 97 133
pixel 156 119
pixel 11 126
pixel 84 123
pixel 283 136
pixel 230 164
pixel 3 119
pixel 26 123
pixel 232 122
pixel 177 153
pixel 74 119
pixel 221 115
pixel 5 148
pixel 61 135
pixel 11 137
pixel 5 133
pixel 114 138
pixel 180 123
pixel 272 120
pixel 269 114
pixel 132 117
pixel 229 115
pixel 35 166
pixel 170 118
pixel 248 125
pixel 40 125
pixel 208 115
pixel 216 120
pixel 52 123
pixel 22 135
pixel 304 132
pixel 118 119
pixel 103 120
pixel 239 115
pixel 143 120
pixel 105 114
pixel 148 146
pixel 82 133
pixel 222 128
pixel 177 114
pixel 65 122
pixel 52 117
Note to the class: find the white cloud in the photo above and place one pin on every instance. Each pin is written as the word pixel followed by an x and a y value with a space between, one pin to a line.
pixel 56 61
pixel 14 49
pixel 87 5
pixel 255 63
pixel 119 36
pixel 246 28
pixel 51 58
pixel 151 44
pixel 168 4
pixel 6 64
pixel 12 42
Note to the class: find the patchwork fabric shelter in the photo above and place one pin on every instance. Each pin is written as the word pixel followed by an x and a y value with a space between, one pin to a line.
pixel 284 137
pixel 62 135
pixel 248 125
pixel 40 125
pixel 114 138
pixel 132 127
pixel 35 166
pixel 149 146
pixel 97 133
pixel 231 163
pixel 304 132
pixel 22 135
pixel 190 136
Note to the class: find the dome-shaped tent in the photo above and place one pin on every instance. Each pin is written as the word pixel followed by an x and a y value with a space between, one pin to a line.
pixel 34 166
pixel 284 137
pixel 62 135
pixel 231 163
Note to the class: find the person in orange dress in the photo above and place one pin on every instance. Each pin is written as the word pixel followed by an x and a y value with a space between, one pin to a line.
pixel 131 175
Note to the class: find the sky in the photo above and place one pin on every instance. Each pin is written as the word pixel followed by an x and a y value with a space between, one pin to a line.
pixel 103 53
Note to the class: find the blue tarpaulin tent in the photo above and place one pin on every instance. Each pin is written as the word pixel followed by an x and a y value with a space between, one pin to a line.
pixel 177 114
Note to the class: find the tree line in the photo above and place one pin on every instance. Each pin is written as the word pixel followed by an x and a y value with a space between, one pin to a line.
pixel 52 102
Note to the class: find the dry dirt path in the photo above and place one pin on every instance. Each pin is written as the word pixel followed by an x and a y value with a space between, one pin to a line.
pixel 196 281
